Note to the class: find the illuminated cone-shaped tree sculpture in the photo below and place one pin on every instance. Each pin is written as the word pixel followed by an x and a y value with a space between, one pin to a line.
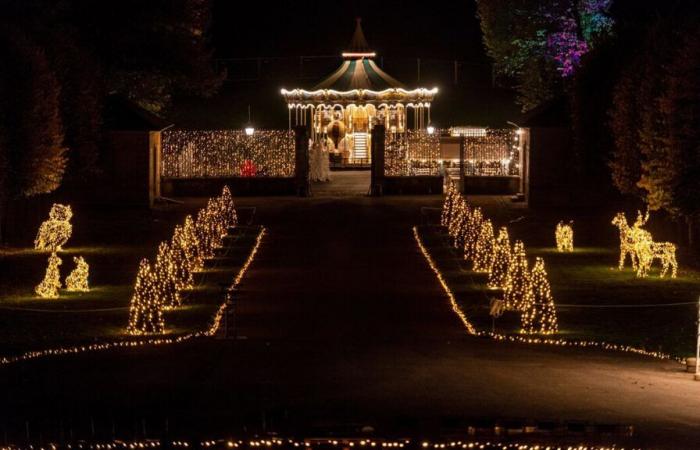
pixel 462 228
pixel 180 258
pixel 146 310
pixel 166 276
pixel 473 229
pixel 448 205
pixel 501 259
pixel 484 248
pixel 205 235
pixel 458 217
pixel 539 314
pixel 564 236
pixel 190 245
pixel 228 209
pixel 77 280
pixel 49 286
pixel 517 278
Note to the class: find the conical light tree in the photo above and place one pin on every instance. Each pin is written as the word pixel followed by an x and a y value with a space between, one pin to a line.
pixel 165 269
pixel 448 205
pixel 77 280
pixel 484 248
pixel 517 278
pixel 180 257
pixel 228 209
pixel 49 286
pixel 501 260
pixel 539 315
pixel 146 309
pixel 459 216
pixel 190 245
pixel 473 228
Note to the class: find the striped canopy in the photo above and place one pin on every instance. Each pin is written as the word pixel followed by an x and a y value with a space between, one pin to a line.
pixel 359 73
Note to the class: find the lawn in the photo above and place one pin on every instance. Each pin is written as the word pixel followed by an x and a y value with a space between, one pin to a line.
pixel 595 300
pixel 112 242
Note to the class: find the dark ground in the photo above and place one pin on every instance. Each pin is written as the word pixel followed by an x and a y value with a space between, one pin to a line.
pixel 342 324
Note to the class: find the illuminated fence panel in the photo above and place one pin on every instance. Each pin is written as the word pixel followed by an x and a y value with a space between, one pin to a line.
pixel 227 153
pixel 412 154
pixel 490 152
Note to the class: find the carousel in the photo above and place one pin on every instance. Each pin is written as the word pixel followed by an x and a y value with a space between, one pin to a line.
pixel 343 108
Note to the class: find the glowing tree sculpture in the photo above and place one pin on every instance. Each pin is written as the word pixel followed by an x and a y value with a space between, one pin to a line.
pixel 484 248
pixel 228 209
pixel 49 286
pixel 564 235
pixel 77 280
pixel 182 255
pixel 56 231
pixel 517 279
pixel 448 206
pixel 190 244
pixel 146 310
pixel 459 217
pixel 473 229
pixel 501 260
pixel 539 315
pixel 166 276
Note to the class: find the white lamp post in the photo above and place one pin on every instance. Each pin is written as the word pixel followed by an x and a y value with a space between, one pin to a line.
pixel 249 129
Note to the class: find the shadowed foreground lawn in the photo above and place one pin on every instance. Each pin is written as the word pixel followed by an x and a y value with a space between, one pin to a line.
pixel 107 242
pixel 585 285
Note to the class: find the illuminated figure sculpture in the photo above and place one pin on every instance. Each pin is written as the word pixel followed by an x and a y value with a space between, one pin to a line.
pixel 49 286
pixel 77 280
pixel 564 235
pixel 56 231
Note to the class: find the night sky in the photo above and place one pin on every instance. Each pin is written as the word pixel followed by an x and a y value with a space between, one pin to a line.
pixel 446 29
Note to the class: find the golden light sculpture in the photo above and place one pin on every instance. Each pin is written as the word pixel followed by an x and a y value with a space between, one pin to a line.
pixel 639 244
pixel 539 315
pixel 165 269
pixel 448 205
pixel 55 232
pixel 77 280
pixel 471 236
pixel 564 235
pixel 146 309
pixel 517 278
pixel 190 244
pixel 484 248
pixel 49 286
pixel 501 259
pixel 179 249
pixel 460 209
pixel 228 208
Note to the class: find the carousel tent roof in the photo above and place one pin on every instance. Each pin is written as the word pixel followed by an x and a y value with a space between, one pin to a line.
pixel 359 79
pixel 359 71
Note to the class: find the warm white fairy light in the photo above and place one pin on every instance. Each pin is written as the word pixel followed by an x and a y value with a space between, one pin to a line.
pixel 77 280
pixel 449 204
pixel 167 278
pixel 472 230
pixel 517 278
pixel 227 153
pixel 641 248
pixel 55 232
pixel 501 259
pixel 538 312
pixel 49 286
pixel 484 248
pixel 534 340
pixel 160 340
pixel 146 309
pixel 564 236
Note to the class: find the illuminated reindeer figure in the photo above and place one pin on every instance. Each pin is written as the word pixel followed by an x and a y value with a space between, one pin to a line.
pixel 638 243
pixel 628 236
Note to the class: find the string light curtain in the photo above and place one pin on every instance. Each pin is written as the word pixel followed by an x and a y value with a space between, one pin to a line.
pixel 227 153
pixel 413 153
pixel 492 152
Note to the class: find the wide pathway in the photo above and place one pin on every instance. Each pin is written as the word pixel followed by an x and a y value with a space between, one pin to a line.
pixel 342 324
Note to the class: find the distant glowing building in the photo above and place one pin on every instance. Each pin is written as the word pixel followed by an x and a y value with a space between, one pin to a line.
pixel 343 108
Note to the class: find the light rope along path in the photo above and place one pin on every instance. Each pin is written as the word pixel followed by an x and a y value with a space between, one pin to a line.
pixel 213 328
pixel 529 339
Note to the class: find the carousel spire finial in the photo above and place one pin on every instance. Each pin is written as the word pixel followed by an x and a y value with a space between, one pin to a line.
pixel 358 45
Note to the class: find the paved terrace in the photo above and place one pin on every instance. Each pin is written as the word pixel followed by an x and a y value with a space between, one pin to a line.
pixel 341 323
